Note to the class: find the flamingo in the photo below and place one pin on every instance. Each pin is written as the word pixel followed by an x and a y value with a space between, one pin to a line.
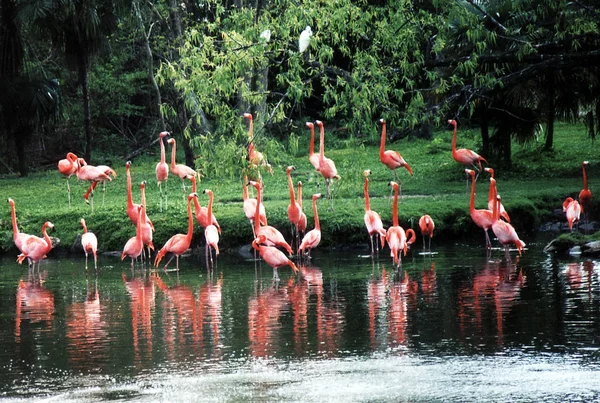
pixel 135 246
pixel 93 175
pixel 181 170
pixel 505 232
pixel 146 226
pixel 68 167
pixel 34 248
pixel 202 212
pixel 585 196
pixel 390 158
pixel 491 194
pixel 89 242
pixel 273 256
pixel 396 236
pixel 465 156
pixel 293 209
pixel 573 210
pixel 372 218
pixel 312 157
pixel 20 238
pixel 162 170
pixel 302 220
pixel 132 208
pixel 427 226
pixel 313 237
pixel 326 165
pixel 250 207
pixel 272 237
pixel 483 218
pixel 256 158
pixel 211 233
pixel 178 243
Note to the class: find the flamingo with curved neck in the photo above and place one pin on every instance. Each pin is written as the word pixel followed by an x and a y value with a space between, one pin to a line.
pixel 313 237
pixel 372 219
pixel 483 218
pixel 68 167
pixel 390 158
pixel 272 237
pixel 36 248
pixel 211 233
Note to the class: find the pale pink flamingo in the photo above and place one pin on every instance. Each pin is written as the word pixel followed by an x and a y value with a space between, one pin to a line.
pixel 313 237
pixel 211 233
pixel 135 246
pixel 181 170
pixel 272 237
pixel 89 242
pixel 491 194
pixel 505 232
pixel 178 243
pixel 396 236
pixel 93 175
pixel 146 227
pixel 250 207
pixel 427 226
pixel 133 208
pixel 293 209
pixel 68 167
pixel 483 218
pixel 20 238
pixel 34 248
pixel 326 165
pixel 202 212
pixel 390 158
pixel 372 219
pixel 302 220
pixel 162 170
pixel 273 256
pixel 573 210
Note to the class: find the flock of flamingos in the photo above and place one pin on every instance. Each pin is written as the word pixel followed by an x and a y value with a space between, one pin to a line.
pixel 268 239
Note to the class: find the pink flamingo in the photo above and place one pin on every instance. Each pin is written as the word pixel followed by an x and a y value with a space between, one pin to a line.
pixel 202 213
pixel 312 157
pixel 181 170
pixel 326 165
pixel 483 218
pixel 491 194
pixel 211 233
pixel 585 196
pixel 20 238
pixel 162 170
pixel 89 242
pixel 573 210
pixel 427 226
pixel 273 256
pixel 505 232
pixel 465 156
pixel 396 236
pixel 146 226
pixel 68 167
pixel 93 175
pixel 293 209
pixel 302 220
pixel 313 237
pixel 133 208
pixel 372 218
pixel 135 246
pixel 178 243
pixel 250 207
pixel 390 158
pixel 272 237
pixel 34 248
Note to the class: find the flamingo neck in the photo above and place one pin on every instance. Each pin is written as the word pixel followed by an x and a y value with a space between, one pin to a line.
pixel 251 129
pixel 257 214
pixel 210 204
pixel 496 210
pixel 382 144
pixel 84 228
pixel 311 147
pixel 585 184
pixel 13 215
pixel 321 143
pixel 190 230
pixel 299 195
pixel 317 223
pixel 413 236
pixel 245 190
pixel 129 196
pixel 163 156
pixel 472 202
pixel 173 151
pixel 367 200
pixel 291 187
pixel 138 228
pixel 46 237
pixel 454 141
pixel 395 209
pixel 143 199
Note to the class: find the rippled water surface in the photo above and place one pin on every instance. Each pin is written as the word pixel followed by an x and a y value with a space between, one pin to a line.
pixel 455 326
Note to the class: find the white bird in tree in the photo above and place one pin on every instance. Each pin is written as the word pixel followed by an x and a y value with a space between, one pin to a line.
pixel 304 39
pixel 266 35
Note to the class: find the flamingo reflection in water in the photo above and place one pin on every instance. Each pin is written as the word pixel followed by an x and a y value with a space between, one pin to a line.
pixel 300 290
pixel 34 303
pixel 402 293
pixel 376 299
pixel 264 311
pixel 142 303
pixel 574 274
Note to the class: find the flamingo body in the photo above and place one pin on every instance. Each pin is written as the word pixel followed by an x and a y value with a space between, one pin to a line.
pixel 313 237
pixel 89 242
pixel 35 248
pixel 464 156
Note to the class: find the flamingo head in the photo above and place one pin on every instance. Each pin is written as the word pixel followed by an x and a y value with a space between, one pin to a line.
pixel 490 171
pixel 319 123
pixel 248 116
pixel 48 224
pixel 366 173
pixel 394 185
pixel 566 203
pixel 163 134
pixel 299 184
pixel 207 191
pixel 143 185
pixel 382 121
pixel 310 125
pixel 11 202
pixel 290 169
pixel 253 183
pixel 82 222
pixel 452 122
pixel 171 141
pixel 258 240
pixel 127 164
pixel 585 163
pixel 81 162
pixel 470 172
pixel 71 157
pixel 192 196
pixel 316 196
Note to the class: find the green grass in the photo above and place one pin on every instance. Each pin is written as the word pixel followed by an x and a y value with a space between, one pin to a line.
pixel 535 186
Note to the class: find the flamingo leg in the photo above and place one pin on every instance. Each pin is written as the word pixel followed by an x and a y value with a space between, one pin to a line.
pixel 488 243
pixel 103 191
pixel 95 262
pixel 165 268
pixel 69 192
pixel 86 260
pixel 372 247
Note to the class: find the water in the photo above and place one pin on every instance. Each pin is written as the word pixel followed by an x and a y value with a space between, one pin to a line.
pixel 456 326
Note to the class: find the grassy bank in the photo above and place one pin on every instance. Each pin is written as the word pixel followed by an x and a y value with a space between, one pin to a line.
pixel 535 186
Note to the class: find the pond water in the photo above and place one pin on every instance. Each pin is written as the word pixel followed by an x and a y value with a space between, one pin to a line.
pixel 455 326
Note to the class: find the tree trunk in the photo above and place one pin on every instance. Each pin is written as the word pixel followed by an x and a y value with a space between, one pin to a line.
pixel 87 117
pixel 551 114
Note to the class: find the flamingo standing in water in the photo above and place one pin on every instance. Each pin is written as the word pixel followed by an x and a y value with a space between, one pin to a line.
pixel 505 232
pixel 178 243
pixel 427 226
pixel 135 246
pixel 162 170
pixel 273 256
pixel 326 165
pixel 250 207
pixel 313 237
pixel 93 175
pixel 34 248
pixel 181 170
pixel 293 209
pixel 464 156
pixel 271 236
pixel 390 158
pixel 491 198
pixel 372 219
pixel 146 227
pixel 202 213
pixel 20 238
pixel 89 242
pixel 483 218
pixel 211 233
pixel 396 236
pixel 573 210
pixel 133 208
pixel 302 220
pixel 68 167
